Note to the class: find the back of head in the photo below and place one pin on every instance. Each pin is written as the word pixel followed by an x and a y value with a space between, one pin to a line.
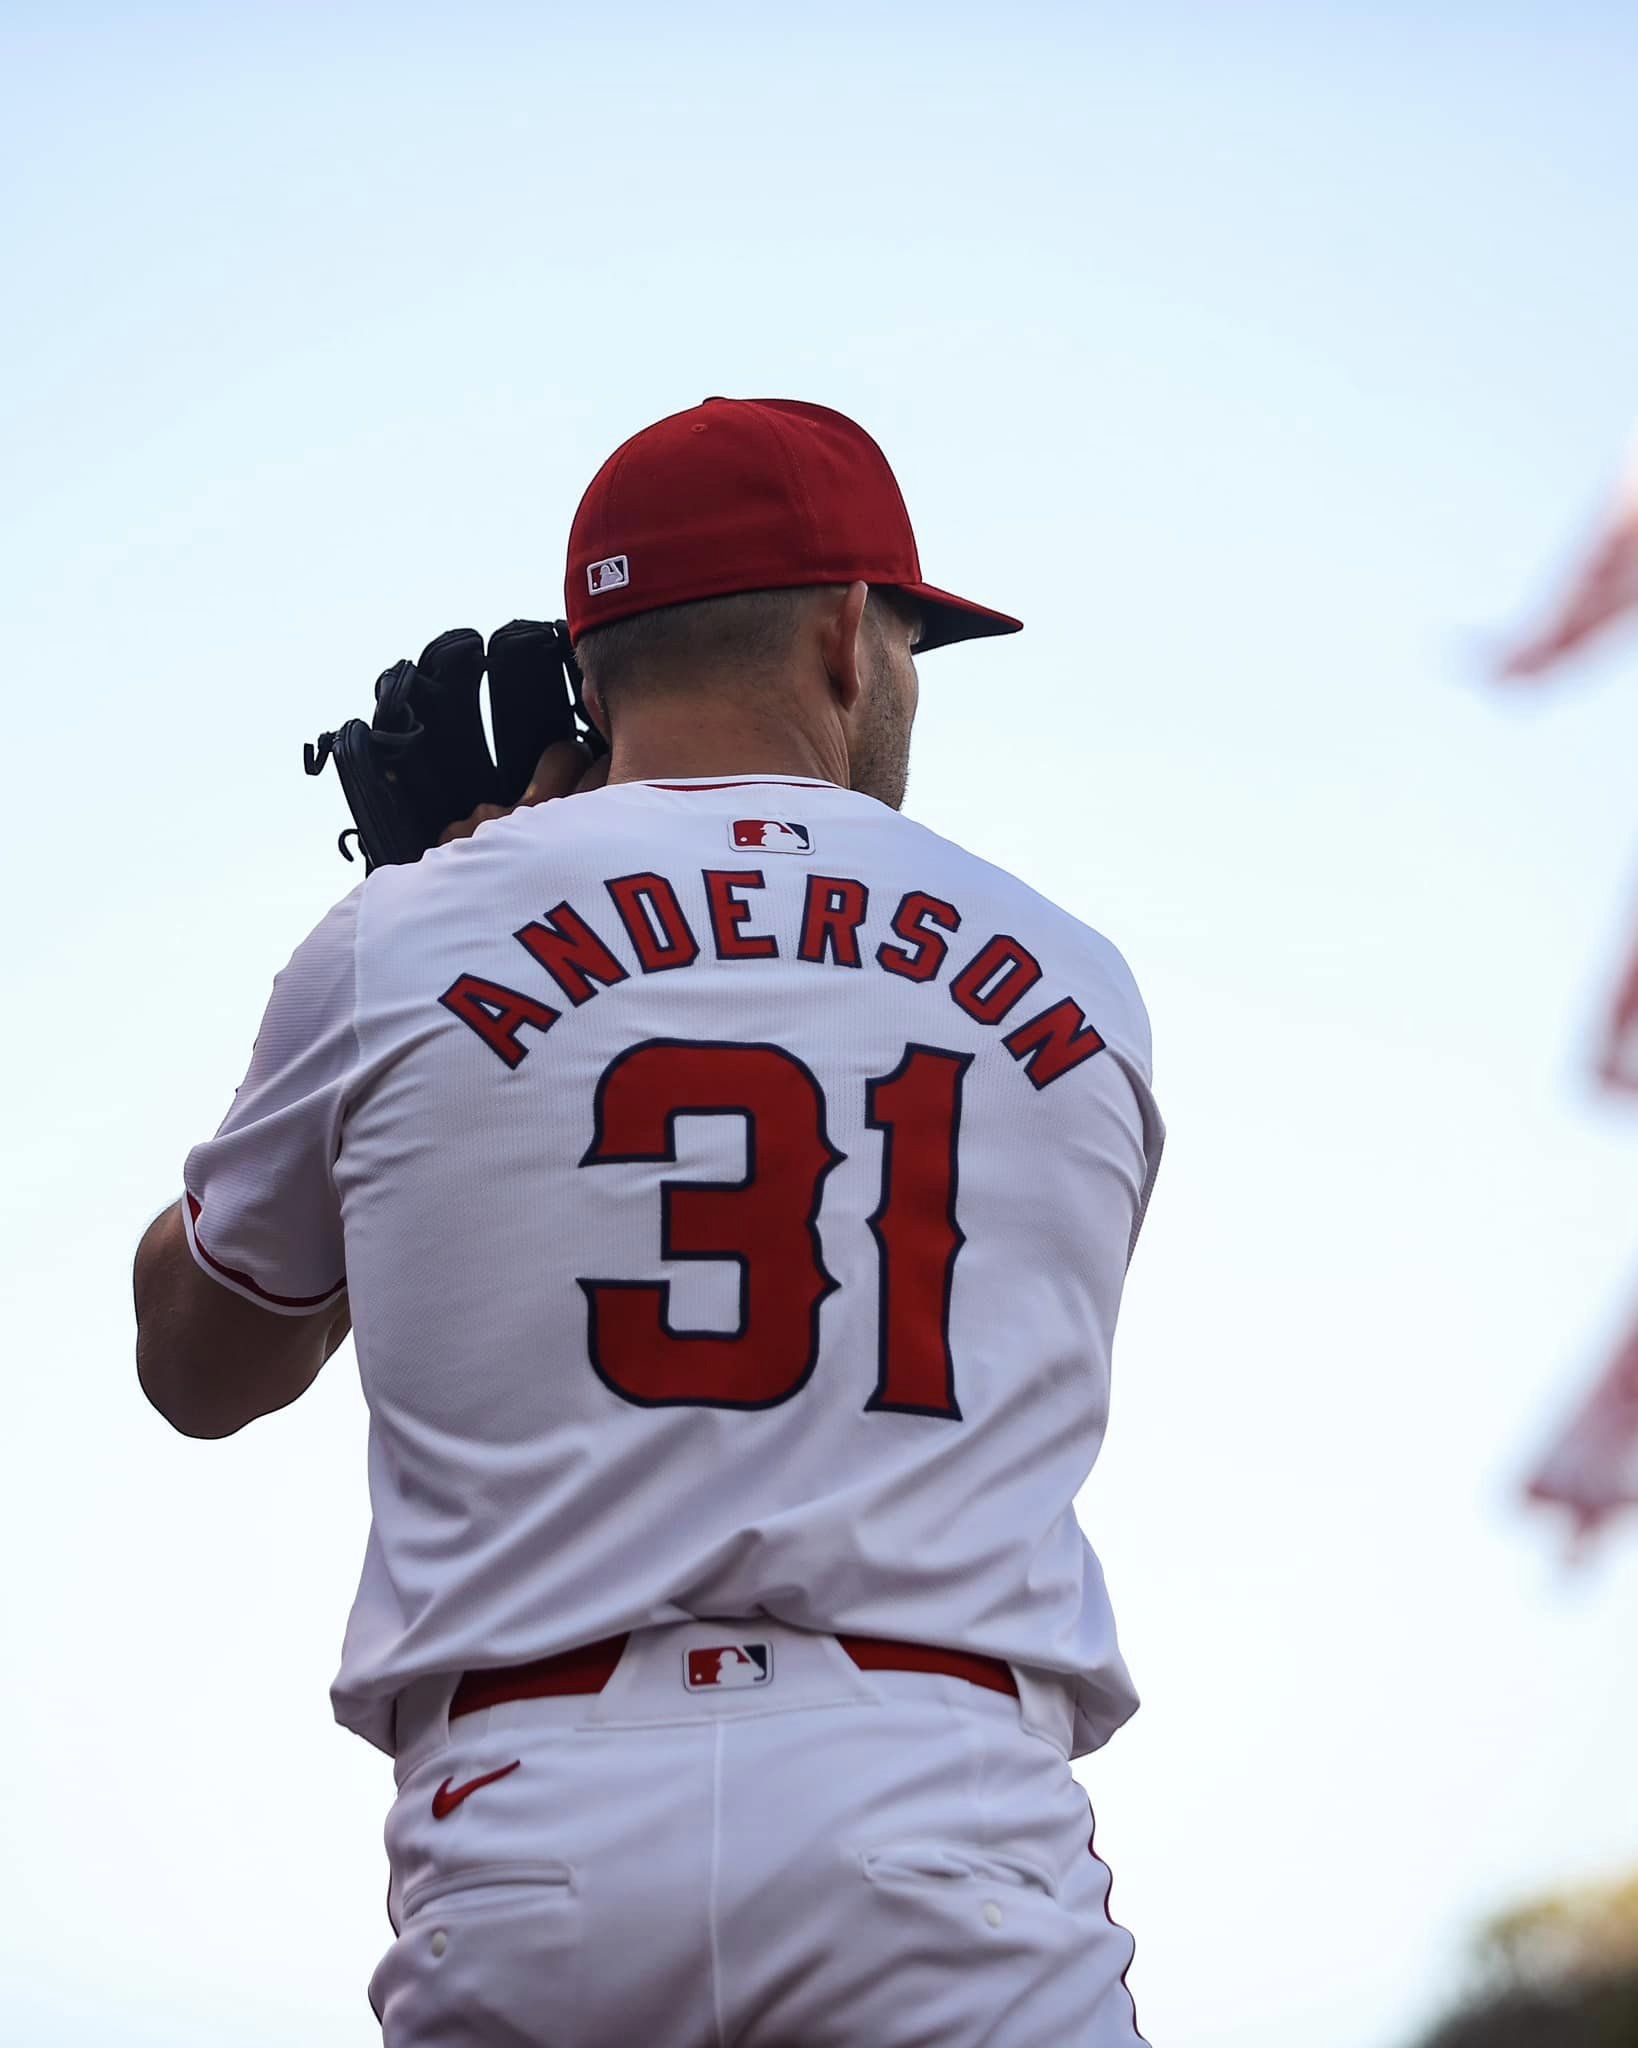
pixel 797 679
pixel 724 642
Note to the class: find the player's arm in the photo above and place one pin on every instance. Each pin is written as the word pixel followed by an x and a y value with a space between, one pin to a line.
pixel 241 1286
pixel 209 1360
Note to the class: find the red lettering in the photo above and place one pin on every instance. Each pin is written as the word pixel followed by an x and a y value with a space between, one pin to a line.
pixel 728 913
pixel 654 922
pixel 998 977
pixel 831 917
pixel 927 950
pixel 1052 1043
pixel 571 953
pixel 496 1013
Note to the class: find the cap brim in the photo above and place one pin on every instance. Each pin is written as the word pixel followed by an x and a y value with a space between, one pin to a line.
pixel 946 618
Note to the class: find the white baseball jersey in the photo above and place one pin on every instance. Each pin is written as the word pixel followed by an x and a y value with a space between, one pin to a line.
pixel 733 1183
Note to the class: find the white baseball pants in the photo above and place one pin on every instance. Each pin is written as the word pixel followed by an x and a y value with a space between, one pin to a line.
pixel 824 1858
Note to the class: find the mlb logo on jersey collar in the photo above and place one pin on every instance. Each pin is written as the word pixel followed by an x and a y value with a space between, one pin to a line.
pixel 769 835
pixel 730 1665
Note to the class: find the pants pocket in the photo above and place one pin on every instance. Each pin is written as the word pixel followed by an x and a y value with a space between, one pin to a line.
pixel 953 1863
pixel 485 1958
pixel 976 1947
pixel 463 1891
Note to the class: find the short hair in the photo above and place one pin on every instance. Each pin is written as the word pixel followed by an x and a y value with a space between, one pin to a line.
pixel 746 634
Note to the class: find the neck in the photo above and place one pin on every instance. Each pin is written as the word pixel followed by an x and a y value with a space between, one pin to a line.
pixel 652 748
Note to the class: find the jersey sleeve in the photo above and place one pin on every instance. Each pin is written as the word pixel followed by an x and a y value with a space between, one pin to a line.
pixel 1142 1126
pixel 259 1199
pixel 1152 1142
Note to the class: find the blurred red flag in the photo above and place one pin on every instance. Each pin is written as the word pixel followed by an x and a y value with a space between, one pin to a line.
pixel 1603 590
pixel 1618 1056
pixel 1591 1468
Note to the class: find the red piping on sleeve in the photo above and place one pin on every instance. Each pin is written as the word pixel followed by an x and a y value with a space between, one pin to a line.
pixel 246 1280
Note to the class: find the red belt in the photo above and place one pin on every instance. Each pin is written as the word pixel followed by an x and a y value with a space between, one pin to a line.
pixel 591 1668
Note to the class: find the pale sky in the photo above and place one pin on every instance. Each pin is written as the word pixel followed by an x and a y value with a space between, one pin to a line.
pixel 1266 359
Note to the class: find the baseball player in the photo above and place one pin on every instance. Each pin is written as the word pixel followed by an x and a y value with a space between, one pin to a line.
pixel 731 1186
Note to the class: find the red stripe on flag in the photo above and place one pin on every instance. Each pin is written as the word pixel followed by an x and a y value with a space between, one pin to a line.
pixel 1603 591
pixel 1618 1056
pixel 1591 1468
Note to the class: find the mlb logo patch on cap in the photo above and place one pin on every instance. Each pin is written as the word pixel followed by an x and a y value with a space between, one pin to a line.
pixel 612 573
pixel 727 1664
pixel 769 835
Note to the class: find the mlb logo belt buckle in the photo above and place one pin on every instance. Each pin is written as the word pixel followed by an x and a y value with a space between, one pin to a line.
pixel 727 1666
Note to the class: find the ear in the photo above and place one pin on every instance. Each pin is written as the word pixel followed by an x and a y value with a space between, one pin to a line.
pixel 594 709
pixel 839 644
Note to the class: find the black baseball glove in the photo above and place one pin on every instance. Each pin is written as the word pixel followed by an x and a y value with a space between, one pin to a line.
pixel 423 764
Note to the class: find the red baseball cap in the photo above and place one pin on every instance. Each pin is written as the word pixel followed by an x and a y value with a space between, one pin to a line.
pixel 750 494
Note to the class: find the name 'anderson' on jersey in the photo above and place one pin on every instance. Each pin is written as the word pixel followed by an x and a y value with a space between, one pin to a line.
pixel 734 1185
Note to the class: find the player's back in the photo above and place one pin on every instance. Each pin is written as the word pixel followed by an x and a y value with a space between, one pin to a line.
pixel 738 1183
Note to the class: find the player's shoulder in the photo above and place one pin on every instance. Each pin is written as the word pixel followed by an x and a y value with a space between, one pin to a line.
pixel 981 889
pixel 444 875
pixel 327 952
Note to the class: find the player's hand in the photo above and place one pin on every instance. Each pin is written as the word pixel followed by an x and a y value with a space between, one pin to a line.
pixel 564 769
